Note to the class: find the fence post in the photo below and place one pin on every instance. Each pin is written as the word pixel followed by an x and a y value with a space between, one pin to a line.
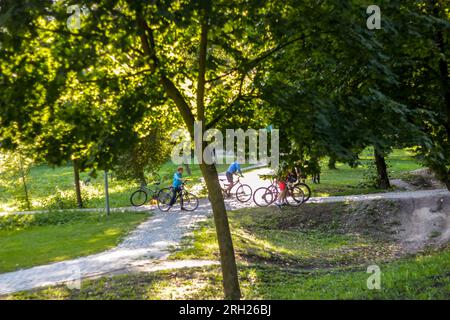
pixel 107 193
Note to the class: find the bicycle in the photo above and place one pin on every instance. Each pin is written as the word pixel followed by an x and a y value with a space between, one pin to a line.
pixel 293 182
pixel 243 192
pixel 302 185
pixel 265 196
pixel 141 195
pixel 188 201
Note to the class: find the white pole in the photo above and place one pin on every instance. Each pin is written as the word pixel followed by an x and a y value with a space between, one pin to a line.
pixel 107 194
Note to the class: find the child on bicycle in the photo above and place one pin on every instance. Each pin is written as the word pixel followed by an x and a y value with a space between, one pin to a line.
pixel 282 185
pixel 176 185
pixel 232 169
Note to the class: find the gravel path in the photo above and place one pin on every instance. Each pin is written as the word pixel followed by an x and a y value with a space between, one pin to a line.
pixel 149 244
pixel 151 240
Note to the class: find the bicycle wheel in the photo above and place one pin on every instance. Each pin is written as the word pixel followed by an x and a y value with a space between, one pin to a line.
pixel 306 190
pixel 164 197
pixel 190 201
pixel 244 193
pixel 263 197
pixel 138 198
pixel 295 196
pixel 274 190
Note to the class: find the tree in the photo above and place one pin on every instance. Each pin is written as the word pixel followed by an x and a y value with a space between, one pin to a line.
pixel 15 166
pixel 147 154
pixel 340 87
pixel 422 49
pixel 201 56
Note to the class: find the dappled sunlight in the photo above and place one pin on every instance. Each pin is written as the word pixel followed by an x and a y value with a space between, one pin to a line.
pixel 50 237
pixel 175 288
pixel 60 258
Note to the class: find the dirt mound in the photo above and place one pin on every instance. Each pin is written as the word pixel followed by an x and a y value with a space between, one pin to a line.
pixel 421 179
pixel 415 223
pixel 375 219
pixel 424 222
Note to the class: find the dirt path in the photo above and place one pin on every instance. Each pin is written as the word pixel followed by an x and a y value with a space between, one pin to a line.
pixel 149 244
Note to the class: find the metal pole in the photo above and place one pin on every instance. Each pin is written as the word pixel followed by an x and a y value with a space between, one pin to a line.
pixel 107 194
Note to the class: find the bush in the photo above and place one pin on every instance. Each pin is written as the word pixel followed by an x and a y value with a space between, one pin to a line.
pixel 23 221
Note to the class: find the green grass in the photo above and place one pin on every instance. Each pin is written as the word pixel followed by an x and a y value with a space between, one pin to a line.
pixel 30 240
pixel 422 277
pixel 53 188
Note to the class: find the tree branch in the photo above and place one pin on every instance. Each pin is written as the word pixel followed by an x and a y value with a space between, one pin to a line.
pixel 112 78
pixel 149 47
pixel 202 69
pixel 229 107
pixel 248 65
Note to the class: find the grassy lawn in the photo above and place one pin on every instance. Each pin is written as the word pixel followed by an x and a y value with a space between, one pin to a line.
pixel 53 188
pixel 423 277
pixel 30 240
pixel 346 180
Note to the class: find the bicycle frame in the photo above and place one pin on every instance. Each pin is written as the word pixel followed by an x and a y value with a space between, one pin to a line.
pixel 179 194
pixel 226 186
pixel 152 192
pixel 274 185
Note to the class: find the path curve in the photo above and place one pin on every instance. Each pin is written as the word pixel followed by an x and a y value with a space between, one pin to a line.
pixel 150 242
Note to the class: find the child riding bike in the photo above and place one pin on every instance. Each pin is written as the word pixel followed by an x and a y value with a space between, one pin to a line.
pixel 176 185
pixel 234 168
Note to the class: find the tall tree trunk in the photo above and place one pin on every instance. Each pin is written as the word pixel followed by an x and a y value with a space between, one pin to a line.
pixel 444 172
pixel 209 172
pixel 382 173
pixel 332 163
pixel 24 182
pixel 188 169
pixel 141 178
pixel 227 259
pixel 231 287
pixel 76 175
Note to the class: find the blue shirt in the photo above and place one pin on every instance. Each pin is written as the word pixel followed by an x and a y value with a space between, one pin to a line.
pixel 235 166
pixel 177 180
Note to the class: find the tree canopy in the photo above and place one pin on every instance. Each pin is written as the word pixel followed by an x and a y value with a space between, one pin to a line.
pixel 311 68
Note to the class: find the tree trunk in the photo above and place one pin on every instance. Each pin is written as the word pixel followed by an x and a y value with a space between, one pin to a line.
pixel 24 183
pixel 445 85
pixel 141 178
pixel 76 174
pixel 332 163
pixel 227 259
pixel 209 172
pixel 382 174
pixel 188 169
